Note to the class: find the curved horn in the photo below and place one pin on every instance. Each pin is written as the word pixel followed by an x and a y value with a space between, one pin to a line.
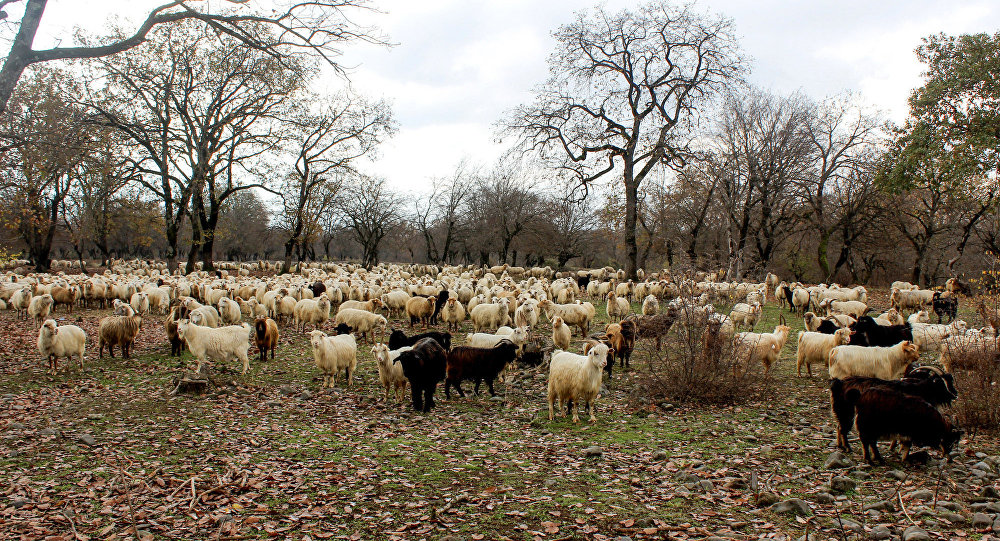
pixel 781 319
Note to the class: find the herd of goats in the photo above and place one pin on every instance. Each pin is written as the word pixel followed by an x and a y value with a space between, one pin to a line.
pixel 877 384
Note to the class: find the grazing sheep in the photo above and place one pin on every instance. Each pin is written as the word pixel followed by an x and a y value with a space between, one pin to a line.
pixel 420 310
pixel 39 308
pixel 561 334
pixel 618 308
pixel 483 340
pixel 390 373
pixel 854 309
pixel 265 336
pixel 20 300
pixel 398 339
pixel 370 305
pixel 118 331
pixel 650 306
pixel 333 354
pixel 928 336
pixel 811 322
pixel 490 316
pixel 910 299
pixel 286 308
pixel 815 347
pixel 576 379
pixel 453 313
pixel 219 344
pixel 800 300
pixel 424 366
pixel 61 341
pixel 883 413
pixel 578 315
pixel 872 362
pixel 744 314
pixel 478 364
pixel 363 322
pixel 395 301
pixel 311 311
pixel 937 389
pixel 763 347
pixel 63 294
pixel 140 303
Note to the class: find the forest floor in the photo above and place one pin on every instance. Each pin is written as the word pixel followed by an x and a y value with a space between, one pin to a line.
pixel 105 452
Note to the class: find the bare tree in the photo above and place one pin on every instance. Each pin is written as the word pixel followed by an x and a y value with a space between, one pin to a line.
pixel 371 210
pixel 327 144
pixel 621 91
pixel 440 215
pixel 317 26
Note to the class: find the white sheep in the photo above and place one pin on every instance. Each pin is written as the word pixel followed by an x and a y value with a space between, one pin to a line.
pixel 61 341
pixel 395 301
pixel 312 311
pixel 484 340
pixel 390 373
pixel 526 314
pixel 763 347
pixel 922 316
pixel 576 378
pixel 929 336
pixel 910 299
pixel 744 314
pixel 206 316
pixel 39 308
pixel 800 299
pixel 872 362
pixel 333 354
pixel 578 315
pixel 890 317
pixel 493 315
pixel 221 344
pixel 20 300
pixel 119 308
pixel 453 313
pixel 969 350
pixel 140 303
pixel 650 306
pixel 561 333
pixel 618 308
pixel 229 312
pixel 854 309
pixel 815 347
pixel 363 322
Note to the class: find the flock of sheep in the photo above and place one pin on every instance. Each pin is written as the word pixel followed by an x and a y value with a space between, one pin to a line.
pixel 871 359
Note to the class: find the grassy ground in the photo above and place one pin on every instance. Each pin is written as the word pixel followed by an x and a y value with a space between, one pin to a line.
pixel 273 455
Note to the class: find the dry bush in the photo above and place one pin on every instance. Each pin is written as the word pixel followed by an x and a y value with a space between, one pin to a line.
pixel 697 364
pixel 975 366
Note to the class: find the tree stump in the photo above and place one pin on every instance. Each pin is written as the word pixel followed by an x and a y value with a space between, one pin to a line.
pixel 191 383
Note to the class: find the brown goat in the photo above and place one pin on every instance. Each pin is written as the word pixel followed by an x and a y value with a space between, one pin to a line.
pixel 265 336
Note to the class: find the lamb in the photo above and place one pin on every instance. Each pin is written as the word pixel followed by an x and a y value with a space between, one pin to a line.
pixel 618 308
pixel 453 313
pixel 424 366
pixel 478 364
pixel 333 354
pixel 650 306
pixel 265 336
pixel 945 304
pixel 285 307
pixel 395 301
pixel 763 347
pixel 576 379
pixel 420 309
pixel 118 331
pixel 883 412
pixel 61 341
pixel 561 334
pixel 872 362
pixel 20 300
pixel 362 321
pixel 390 373
pixel 937 389
pixel 370 305
pixel 526 315
pixel 578 315
pixel 140 303
pixel 39 308
pixel 220 344
pixel 745 314
pixel 312 311
pixel 922 316
pixel 483 340
pixel 815 347
pixel 486 316
pixel 398 339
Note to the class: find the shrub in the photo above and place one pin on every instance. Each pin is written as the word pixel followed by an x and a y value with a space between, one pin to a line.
pixel 976 369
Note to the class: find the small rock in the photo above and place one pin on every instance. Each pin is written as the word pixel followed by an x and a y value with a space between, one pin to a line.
pixel 452 538
pixel 306 395
pixel 915 533
pixel 644 522
pixel 736 483
pixel 837 460
pixel 15 426
pixel 593 451
pixel 996 525
pixel 982 466
pixel 94 416
pixel 824 498
pixel 792 506
pixel 286 390
pixel 550 482
pixel 767 499
pixel 623 538
pixel 922 494
pixel 706 485
pixel 981 521
pixel 847 524
pixel 880 532
pixel 990 492
pixel 87 440
pixel 9 396
pixel 859 474
pixel 660 455
pixel 496 398
pixel 48 432
pixel 882 505
pixel 686 477
pixel 895 474
pixel 19 502
pixel 840 485
pixel 955 518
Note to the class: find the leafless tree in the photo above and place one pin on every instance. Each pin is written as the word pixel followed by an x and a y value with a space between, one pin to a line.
pixel 623 89
pixel 317 26
pixel 440 215
pixel 371 210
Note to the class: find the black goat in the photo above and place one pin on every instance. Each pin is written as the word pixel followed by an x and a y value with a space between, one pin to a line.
pixel 478 365
pixel 398 339
pixel 945 305
pixel 424 366
pixel 883 413
pixel 869 333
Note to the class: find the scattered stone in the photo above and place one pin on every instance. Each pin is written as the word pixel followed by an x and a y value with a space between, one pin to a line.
pixel 767 499
pixel 94 416
pixel 824 498
pixel 882 505
pixel 9 396
pixel 306 395
pixel 87 440
pixel 981 521
pixel 880 532
pixel 286 390
pixel 981 465
pixel 793 506
pixel 736 483
pixel 896 474
pixel 19 502
pixel 687 477
pixel 452 538
pixel 990 492
pixel 48 432
pixel 496 398
pixel 915 533
pixel 15 426
pixel 623 538
pixel 840 485
pixel 764 449
pixel 550 482
pixel 922 494
pixel 836 461
pixel 706 485
pixel 660 455
pixel 955 518
pixel 996 525
pixel 593 451
pixel 847 524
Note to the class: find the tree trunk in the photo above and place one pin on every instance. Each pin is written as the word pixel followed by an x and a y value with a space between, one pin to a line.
pixel 631 215
pixel 20 55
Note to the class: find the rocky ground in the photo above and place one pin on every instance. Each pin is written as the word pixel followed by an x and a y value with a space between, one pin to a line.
pixel 105 452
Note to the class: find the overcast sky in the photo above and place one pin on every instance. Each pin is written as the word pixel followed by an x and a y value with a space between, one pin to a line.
pixel 459 64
